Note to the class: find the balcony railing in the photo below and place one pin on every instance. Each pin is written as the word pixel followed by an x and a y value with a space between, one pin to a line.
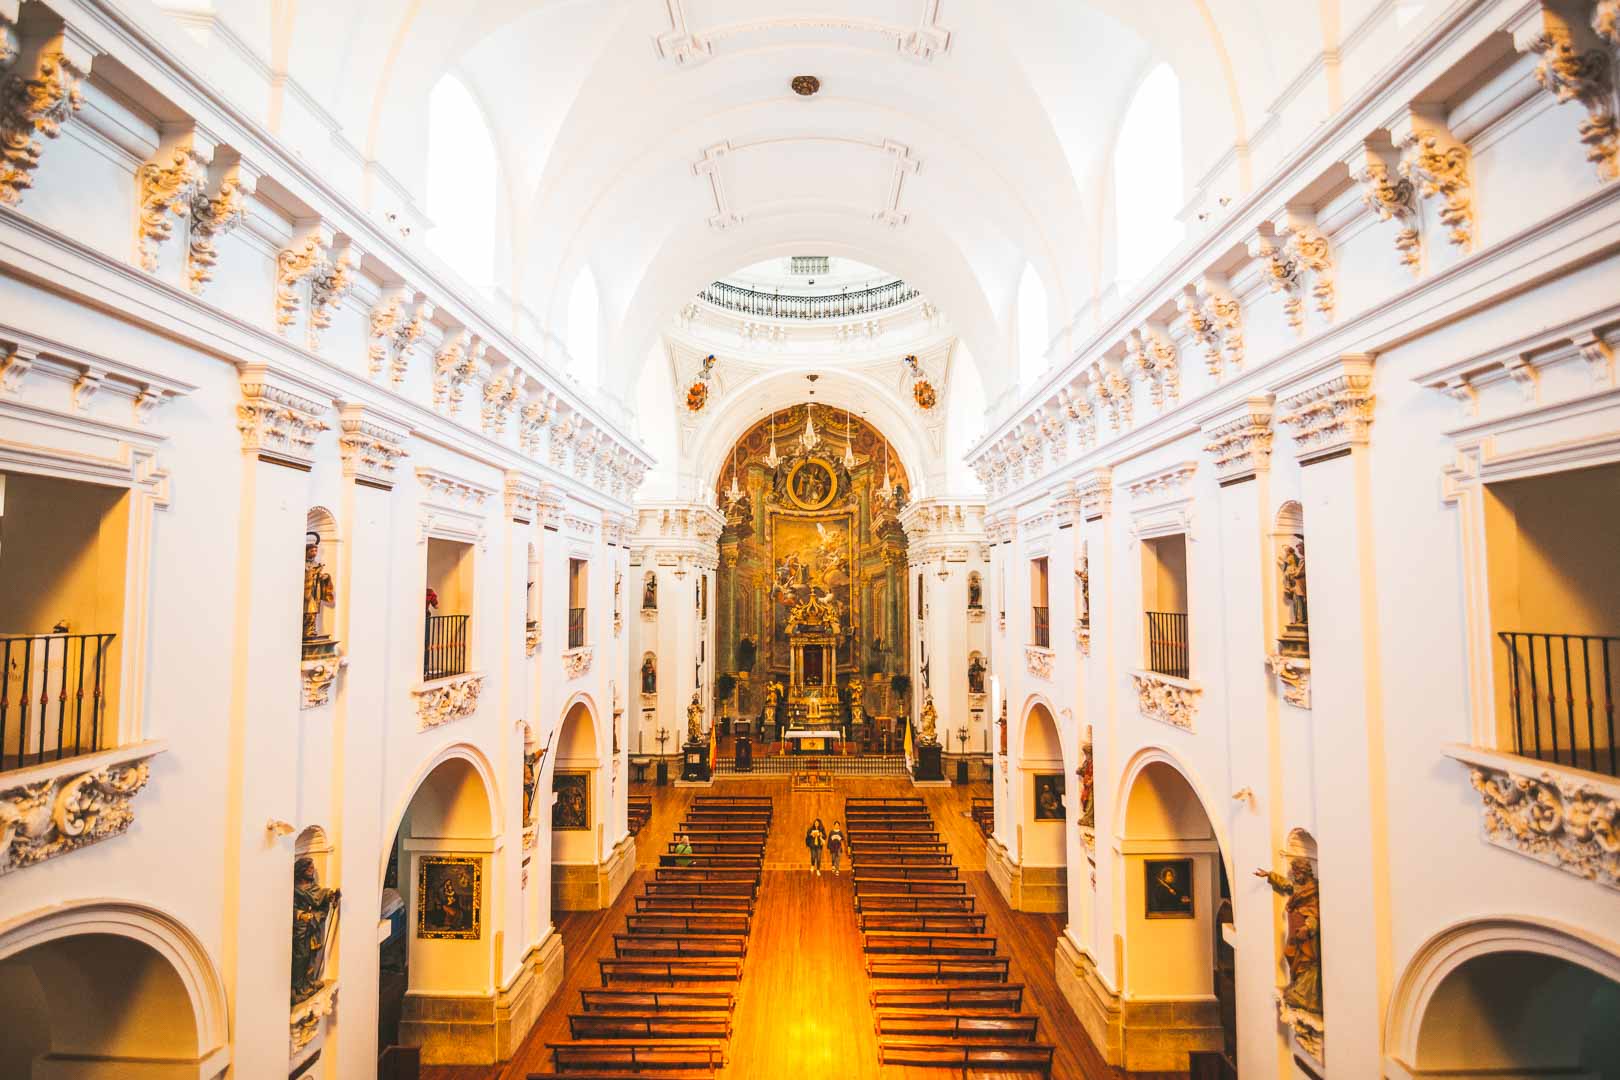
pixel 1043 627
pixel 53 696
pixel 1561 693
pixel 835 306
pixel 576 628
pixel 444 652
pixel 1167 643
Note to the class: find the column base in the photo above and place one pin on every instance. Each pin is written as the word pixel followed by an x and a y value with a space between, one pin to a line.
pixel 593 886
pixel 518 1006
pixel 1096 1006
pixel 1141 1036
pixel 475 1029
pixel 1039 890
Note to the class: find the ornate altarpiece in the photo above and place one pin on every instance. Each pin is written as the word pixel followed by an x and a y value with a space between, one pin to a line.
pixel 813 559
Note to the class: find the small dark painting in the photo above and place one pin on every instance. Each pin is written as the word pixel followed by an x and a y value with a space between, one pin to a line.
pixel 1049 797
pixel 1169 888
pixel 572 810
pixel 449 897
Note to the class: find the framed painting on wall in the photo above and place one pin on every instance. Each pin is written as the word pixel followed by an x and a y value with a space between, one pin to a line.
pixel 572 810
pixel 1169 888
pixel 1049 797
pixel 449 897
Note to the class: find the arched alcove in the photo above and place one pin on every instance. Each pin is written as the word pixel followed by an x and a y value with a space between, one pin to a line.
pixel 103 989
pixel 1173 887
pixel 1046 799
pixel 1508 996
pixel 320 580
pixel 576 811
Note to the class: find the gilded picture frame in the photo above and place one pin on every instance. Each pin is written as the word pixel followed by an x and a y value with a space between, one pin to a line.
pixel 571 812
pixel 1049 797
pixel 1168 889
pixel 450 897
pixel 813 490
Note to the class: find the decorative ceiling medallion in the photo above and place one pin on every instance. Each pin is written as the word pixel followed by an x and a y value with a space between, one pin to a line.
pixel 697 396
pixel 805 85
pixel 925 394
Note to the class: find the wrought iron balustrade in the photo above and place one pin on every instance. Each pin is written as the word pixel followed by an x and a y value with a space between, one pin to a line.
pixel 1561 692
pixel 787 306
pixel 53 701
pixel 444 652
pixel 576 628
pixel 1043 627
pixel 1167 643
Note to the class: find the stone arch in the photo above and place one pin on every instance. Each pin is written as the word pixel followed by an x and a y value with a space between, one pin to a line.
pixel 474 759
pixel 1046 794
pixel 1478 980
pixel 159 995
pixel 578 809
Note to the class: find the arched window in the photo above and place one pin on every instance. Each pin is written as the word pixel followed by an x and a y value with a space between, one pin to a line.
pixel 1147 177
pixel 1033 332
pixel 462 181
pixel 584 319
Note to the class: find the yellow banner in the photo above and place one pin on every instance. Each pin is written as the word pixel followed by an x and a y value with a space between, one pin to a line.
pixel 908 741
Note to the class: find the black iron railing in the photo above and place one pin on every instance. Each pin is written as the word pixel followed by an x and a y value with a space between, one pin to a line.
pixel 576 628
pixel 1561 693
pixel 1167 643
pixel 1043 627
pixel 834 306
pixel 52 697
pixel 444 652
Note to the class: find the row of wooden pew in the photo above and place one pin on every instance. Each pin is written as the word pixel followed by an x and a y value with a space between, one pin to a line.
pixel 640 812
pixel 941 995
pixel 984 814
pixel 669 989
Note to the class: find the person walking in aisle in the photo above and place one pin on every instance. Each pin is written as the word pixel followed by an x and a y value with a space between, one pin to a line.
pixel 815 838
pixel 835 845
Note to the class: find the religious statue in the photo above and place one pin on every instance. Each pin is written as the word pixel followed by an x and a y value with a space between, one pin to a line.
pixel 1292 564
pixel 1302 940
pixel 929 722
pixel 857 700
pixel 976 669
pixel 315 912
pixel 1088 798
pixel 649 594
pixel 1082 577
pixel 318 592
pixel 694 719
pixel 975 593
pixel 649 675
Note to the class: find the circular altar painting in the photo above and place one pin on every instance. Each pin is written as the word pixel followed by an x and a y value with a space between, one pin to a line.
pixel 811 485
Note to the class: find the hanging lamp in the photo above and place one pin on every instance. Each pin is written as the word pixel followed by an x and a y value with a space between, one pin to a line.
pixel 849 443
pixel 772 458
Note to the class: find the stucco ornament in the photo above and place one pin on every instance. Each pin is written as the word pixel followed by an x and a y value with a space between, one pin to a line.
pixel 167 186
pixel 1563 822
pixel 1166 701
pixel 316 679
pixel 452 699
pixel 33 108
pixel 294 265
pixel 576 662
pixel 212 216
pixel 1392 198
pixel 52 817
pixel 1294 675
pixel 1439 167
pixel 1038 661
pixel 1586 76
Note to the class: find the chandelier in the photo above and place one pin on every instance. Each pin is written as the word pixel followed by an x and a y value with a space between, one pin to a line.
pixel 809 440
pixel 849 442
pixel 772 459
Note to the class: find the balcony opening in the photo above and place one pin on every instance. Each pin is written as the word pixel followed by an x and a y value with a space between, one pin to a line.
pixel 1164 605
pixel 449 609
pixel 1553 569
pixel 63 552
pixel 578 578
pixel 1040 607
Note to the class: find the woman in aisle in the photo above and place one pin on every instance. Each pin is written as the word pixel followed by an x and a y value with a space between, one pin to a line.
pixel 815 838
pixel 835 844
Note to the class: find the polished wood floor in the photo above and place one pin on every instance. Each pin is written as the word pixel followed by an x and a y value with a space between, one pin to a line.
pixel 802 1008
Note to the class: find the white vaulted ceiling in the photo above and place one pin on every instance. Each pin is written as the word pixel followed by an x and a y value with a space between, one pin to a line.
pixel 657 142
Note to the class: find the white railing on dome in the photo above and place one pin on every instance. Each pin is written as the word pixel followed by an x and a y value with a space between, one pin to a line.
pixel 833 306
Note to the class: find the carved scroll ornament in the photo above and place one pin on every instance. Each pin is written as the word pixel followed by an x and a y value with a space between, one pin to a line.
pixel 453 699
pixel 52 817
pixel 1561 821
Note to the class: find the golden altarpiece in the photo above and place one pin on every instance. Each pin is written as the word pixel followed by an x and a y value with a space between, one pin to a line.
pixel 812 574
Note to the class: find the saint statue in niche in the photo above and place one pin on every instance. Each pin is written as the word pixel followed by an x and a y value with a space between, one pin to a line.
pixel 930 723
pixel 976 675
pixel 318 591
pixel 975 593
pixel 649 594
pixel 1302 939
pixel 315 912
pixel 649 675
pixel 694 719
pixel 1292 564
pixel 1088 801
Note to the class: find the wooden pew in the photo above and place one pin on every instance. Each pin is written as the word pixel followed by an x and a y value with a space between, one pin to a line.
pixel 637 1056
pixel 950 998
pixel 705 924
pixel 947 922
pixel 709 904
pixel 988 968
pixel 705 873
pixel 925 1024
pixel 766 801
pixel 723 847
pixel 643 1026
pixel 697 946
pixel 744 889
pixel 727 862
pixel 861 801
pixel 740 836
pixel 893 825
pixel 858 836
pixel 724 830
pixel 598 999
pixel 617 969
pixel 906 902
pixel 913 943
pixel 865 885
pixel 867 868
pixel 987 1056
pixel 902 847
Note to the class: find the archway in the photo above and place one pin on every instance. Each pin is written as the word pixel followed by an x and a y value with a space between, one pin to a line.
pixel 577 808
pixel 96 991
pixel 1173 897
pixel 439 893
pixel 1508 996
pixel 1043 816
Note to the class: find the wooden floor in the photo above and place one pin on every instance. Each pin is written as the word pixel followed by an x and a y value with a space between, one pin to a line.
pixel 802 1009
